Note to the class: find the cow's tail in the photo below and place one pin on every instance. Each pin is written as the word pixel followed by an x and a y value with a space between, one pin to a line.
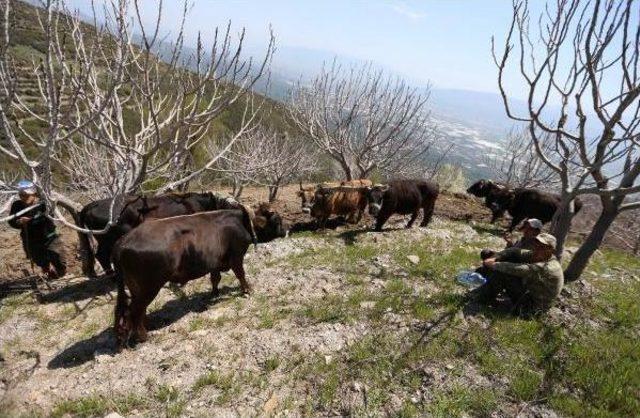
pixel 86 249
pixel 247 220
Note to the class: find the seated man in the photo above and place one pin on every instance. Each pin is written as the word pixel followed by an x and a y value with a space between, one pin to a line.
pixel 40 240
pixel 532 284
pixel 530 228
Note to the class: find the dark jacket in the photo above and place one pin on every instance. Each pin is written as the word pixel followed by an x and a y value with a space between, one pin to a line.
pixel 38 231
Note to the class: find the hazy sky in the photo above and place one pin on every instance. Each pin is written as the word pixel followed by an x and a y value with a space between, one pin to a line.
pixel 445 41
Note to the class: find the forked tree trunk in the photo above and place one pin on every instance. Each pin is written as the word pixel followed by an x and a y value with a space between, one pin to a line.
pixel 562 225
pixel 591 243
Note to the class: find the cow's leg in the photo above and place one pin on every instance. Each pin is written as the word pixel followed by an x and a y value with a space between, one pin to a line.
pixel 496 214
pixel 103 254
pixel 139 304
pixel 238 270
pixel 427 213
pixel 380 220
pixel 414 216
pixel 514 222
pixel 215 281
pixel 359 215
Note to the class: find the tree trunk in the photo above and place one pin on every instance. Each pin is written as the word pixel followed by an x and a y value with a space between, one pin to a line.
pixel 347 170
pixel 562 225
pixel 591 243
pixel 237 189
pixel 273 193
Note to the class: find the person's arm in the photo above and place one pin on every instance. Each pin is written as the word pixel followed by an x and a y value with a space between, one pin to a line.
pixel 514 255
pixel 15 208
pixel 516 269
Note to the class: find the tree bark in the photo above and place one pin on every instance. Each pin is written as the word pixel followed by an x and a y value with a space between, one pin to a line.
pixel 562 225
pixel 347 170
pixel 592 242
pixel 273 193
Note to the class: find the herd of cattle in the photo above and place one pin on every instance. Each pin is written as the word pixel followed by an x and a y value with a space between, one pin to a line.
pixel 181 237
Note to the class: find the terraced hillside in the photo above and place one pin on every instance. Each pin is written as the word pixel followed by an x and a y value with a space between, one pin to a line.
pixel 27 46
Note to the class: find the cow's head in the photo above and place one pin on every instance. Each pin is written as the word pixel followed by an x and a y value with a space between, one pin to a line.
pixel 306 195
pixel 268 224
pixel 320 207
pixel 479 188
pixel 375 195
pixel 484 188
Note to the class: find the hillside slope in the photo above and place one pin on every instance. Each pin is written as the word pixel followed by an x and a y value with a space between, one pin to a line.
pixel 341 323
pixel 27 44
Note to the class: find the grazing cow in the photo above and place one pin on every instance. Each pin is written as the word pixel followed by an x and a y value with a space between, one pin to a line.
pixel 403 197
pixel 135 210
pixel 349 199
pixel 491 191
pixel 268 224
pixel 528 203
pixel 307 194
pixel 177 250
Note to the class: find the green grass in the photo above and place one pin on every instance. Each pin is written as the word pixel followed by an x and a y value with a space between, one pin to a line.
pixel 98 405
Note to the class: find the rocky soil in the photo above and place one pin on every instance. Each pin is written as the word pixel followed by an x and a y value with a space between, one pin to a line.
pixel 341 322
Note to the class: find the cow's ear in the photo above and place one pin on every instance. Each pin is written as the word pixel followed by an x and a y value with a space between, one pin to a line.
pixel 260 221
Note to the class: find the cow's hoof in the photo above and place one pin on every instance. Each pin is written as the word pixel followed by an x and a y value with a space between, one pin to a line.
pixel 247 292
pixel 214 294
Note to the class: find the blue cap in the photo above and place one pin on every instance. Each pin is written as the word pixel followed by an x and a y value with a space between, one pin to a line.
pixel 27 187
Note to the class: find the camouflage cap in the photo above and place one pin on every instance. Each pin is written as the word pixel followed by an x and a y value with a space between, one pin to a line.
pixel 547 239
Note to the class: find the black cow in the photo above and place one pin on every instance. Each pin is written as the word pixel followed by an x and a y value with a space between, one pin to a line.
pixel 177 249
pixel 268 224
pixel 524 203
pixel 491 191
pixel 403 197
pixel 134 210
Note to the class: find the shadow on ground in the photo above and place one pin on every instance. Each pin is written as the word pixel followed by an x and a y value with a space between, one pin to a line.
pixel 85 289
pixel 104 342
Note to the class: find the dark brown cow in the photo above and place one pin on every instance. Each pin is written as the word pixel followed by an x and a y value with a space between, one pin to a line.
pixel 177 249
pixel 340 201
pixel 403 197
pixel 134 210
pixel 491 191
pixel 137 209
pixel 528 203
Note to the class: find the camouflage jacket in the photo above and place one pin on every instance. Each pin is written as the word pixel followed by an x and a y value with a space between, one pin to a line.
pixel 543 280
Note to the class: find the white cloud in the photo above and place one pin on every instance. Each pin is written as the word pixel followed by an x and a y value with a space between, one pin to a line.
pixel 402 9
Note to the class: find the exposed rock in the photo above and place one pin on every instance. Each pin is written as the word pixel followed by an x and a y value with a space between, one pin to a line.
pixel 414 259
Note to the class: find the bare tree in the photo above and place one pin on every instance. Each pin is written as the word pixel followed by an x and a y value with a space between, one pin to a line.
pixel 242 161
pixel 7 193
pixel 291 158
pixel 364 120
pixel 626 230
pixel 580 67
pixel 120 114
pixel 519 165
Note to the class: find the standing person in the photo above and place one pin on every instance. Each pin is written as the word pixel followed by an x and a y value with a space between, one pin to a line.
pixel 40 241
pixel 533 285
